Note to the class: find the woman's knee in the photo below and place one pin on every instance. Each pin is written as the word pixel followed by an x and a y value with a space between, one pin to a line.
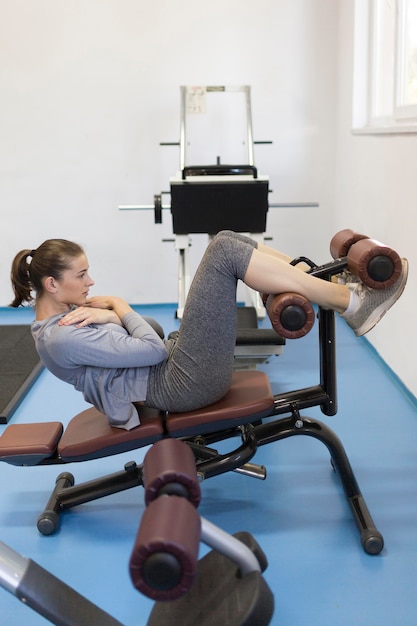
pixel 232 235
pixel 226 233
pixel 231 253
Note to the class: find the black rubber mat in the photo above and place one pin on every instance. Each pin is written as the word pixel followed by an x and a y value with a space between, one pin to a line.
pixel 19 367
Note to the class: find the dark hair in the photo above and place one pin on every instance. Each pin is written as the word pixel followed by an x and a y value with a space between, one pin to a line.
pixel 52 258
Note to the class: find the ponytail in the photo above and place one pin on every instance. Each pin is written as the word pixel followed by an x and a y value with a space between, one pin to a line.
pixel 20 277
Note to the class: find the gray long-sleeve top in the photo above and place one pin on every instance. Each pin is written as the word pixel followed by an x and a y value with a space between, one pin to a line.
pixel 108 363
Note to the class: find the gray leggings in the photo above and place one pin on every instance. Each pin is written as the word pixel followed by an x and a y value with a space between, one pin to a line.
pixel 199 366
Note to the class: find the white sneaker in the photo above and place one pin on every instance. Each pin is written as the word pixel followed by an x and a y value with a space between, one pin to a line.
pixel 374 303
pixel 346 277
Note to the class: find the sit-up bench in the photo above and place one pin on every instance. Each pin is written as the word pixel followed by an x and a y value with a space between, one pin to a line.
pixel 240 413
pixel 232 569
pixel 89 435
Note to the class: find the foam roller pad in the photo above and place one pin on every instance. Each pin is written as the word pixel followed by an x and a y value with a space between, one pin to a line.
pixel 169 467
pixel 163 563
pixel 292 316
pixel 374 263
pixel 342 242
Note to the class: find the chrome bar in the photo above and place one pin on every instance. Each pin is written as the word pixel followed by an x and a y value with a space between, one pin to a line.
pixel 229 546
pixel 12 568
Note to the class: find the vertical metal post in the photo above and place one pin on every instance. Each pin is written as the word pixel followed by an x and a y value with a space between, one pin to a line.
pixel 251 157
pixel 182 244
pixel 327 341
pixel 182 126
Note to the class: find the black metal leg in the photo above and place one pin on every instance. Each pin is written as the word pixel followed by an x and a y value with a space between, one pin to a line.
pixel 67 495
pixel 371 539
pixel 48 520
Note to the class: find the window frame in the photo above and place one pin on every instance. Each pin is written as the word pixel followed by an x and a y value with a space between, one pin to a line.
pixel 402 111
pixel 397 117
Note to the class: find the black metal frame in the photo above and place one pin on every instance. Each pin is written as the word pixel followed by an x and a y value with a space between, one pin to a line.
pixel 253 435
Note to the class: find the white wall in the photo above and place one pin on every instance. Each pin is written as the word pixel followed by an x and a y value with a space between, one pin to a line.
pixel 89 88
pixel 376 190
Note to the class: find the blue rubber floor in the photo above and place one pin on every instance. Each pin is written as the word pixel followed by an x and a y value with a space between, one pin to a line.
pixel 318 571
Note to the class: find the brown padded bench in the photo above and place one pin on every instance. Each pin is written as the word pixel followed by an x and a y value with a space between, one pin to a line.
pixel 89 435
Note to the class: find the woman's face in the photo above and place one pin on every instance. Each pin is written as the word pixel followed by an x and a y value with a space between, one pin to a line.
pixel 75 282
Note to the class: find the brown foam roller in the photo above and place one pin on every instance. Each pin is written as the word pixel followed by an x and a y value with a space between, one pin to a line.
pixel 292 316
pixel 169 467
pixel 374 263
pixel 163 562
pixel 342 242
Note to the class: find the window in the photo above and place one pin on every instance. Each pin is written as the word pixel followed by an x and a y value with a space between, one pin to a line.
pixel 406 101
pixel 385 68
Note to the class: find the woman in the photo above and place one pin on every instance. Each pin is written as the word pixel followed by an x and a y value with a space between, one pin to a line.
pixel 114 357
